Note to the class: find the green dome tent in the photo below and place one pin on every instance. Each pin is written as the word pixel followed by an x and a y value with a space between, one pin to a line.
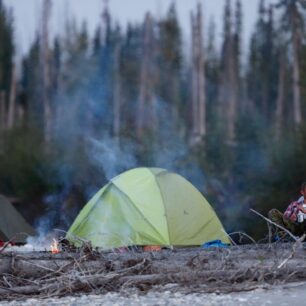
pixel 147 206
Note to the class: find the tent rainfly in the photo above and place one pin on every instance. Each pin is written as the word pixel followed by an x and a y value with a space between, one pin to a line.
pixel 147 206
pixel 12 224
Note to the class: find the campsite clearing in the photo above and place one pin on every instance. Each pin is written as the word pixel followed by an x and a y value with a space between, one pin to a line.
pixel 192 270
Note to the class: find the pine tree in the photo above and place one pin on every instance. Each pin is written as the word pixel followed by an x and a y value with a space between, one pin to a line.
pixel 31 93
pixel 237 53
pixel 293 22
pixel 130 77
pixel 102 85
pixel 262 75
pixel 117 96
pixel 279 114
pixel 271 58
pixel 170 62
pixel 12 100
pixel 83 40
pixel 146 117
pixel 105 30
pixel 56 66
pixel 2 113
pixel 228 87
pixel 7 47
pixel 97 42
pixel 6 60
pixel 212 69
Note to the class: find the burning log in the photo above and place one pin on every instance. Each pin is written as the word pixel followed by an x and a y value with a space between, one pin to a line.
pixel 55 247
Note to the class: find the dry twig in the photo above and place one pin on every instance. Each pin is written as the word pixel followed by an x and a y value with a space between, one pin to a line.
pixel 277 225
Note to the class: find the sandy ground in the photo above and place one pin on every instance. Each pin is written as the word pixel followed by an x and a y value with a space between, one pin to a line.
pixel 277 295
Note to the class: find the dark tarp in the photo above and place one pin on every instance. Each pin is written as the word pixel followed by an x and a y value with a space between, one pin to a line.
pixel 12 224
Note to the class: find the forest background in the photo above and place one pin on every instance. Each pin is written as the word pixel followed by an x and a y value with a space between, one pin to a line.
pixel 76 111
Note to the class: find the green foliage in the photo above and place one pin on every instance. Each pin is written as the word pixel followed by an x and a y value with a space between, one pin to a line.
pixel 25 167
pixel 170 59
pixel 7 48
pixel 262 77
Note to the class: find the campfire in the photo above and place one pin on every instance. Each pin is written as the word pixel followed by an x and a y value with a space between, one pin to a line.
pixel 54 247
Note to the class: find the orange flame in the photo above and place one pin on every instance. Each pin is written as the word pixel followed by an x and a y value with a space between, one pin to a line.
pixel 54 247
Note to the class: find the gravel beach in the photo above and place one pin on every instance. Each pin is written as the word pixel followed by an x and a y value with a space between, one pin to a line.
pixel 277 295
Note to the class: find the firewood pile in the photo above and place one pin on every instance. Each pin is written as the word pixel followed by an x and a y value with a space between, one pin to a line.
pixel 87 270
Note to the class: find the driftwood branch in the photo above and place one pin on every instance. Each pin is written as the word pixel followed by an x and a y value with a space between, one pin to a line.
pixel 300 240
pixel 86 270
pixel 277 225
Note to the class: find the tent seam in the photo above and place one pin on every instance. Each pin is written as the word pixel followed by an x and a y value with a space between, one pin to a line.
pixel 93 207
pixel 163 200
pixel 139 210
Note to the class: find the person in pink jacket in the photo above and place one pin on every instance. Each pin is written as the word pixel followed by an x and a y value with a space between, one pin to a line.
pixel 294 218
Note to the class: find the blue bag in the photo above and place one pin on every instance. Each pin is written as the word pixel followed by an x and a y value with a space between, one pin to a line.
pixel 215 243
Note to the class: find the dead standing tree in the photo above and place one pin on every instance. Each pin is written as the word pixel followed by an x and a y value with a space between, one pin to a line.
pixel 2 117
pixel 293 23
pixel 237 51
pixel 280 101
pixel 198 78
pixel 228 96
pixel 296 42
pixel 2 111
pixel 117 92
pixel 296 29
pixel 12 100
pixel 146 112
pixel 45 69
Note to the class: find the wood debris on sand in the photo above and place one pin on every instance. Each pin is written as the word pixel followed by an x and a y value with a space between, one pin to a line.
pixel 86 270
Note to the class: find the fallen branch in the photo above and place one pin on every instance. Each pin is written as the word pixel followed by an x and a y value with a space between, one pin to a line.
pixel 300 240
pixel 243 234
pixel 244 267
pixel 277 225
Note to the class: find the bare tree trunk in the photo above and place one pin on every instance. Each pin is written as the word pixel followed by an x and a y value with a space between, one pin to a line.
pixel 3 118
pixel 201 75
pixel 297 112
pixel 20 115
pixel 230 76
pixel 280 96
pixel 153 79
pixel 145 96
pixel 232 94
pixel 198 78
pixel 12 101
pixel 194 93
pixel 143 90
pixel 117 93
pixel 45 66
